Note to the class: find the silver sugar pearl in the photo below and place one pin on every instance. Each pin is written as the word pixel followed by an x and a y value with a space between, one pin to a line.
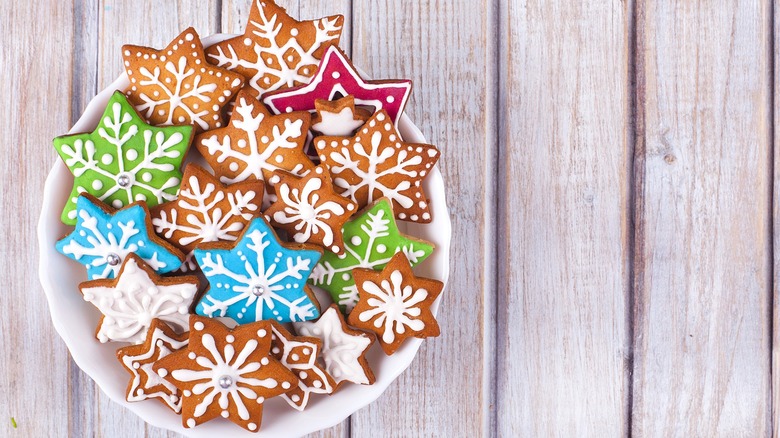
pixel 225 382
pixel 123 181
pixel 258 290
pixel 113 259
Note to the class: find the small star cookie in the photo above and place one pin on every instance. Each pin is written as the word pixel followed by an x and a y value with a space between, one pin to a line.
pixel 338 118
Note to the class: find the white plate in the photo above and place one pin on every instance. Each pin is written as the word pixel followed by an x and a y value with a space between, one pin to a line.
pixel 76 320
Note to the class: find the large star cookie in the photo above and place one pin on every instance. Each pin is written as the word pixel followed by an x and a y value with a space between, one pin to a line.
pixel 130 302
pixel 104 237
pixel 206 211
pixel 228 373
pixel 176 86
pixel 395 304
pixel 337 77
pixel 258 277
pixel 276 51
pixel 375 163
pixel 138 360
pixel 370 240
pixel 124 160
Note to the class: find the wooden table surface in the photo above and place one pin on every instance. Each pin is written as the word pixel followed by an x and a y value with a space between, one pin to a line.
pixel 610 176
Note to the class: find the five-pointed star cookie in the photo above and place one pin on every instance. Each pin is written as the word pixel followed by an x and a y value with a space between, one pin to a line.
pixel 338 77
pixel 370 240
pixel 176 86
pixel 138 360
pixel 104 237
pixel 343 349
pixel 258 277
pixel 124 160
pixel 375 163
pixel 309 210
pixel 395 304
pixel 299 355
pixel 276 51
pixel 338 117
pixel 206 211
pixel 130 302
pixel 228 373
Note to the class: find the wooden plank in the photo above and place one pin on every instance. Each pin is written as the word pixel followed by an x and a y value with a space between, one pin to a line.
pixel 775 135
pixel 563 336
pixel 703 221
pixel 444 47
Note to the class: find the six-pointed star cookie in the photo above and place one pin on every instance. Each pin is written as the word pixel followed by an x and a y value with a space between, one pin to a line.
pixel 276 51
pixel 370 240
pixel 395 304
pixel 337 77
pixel 138 360
pixel 299 355
pixel 343 349
pixel 226 373
pixel 206 211
pixel 104 237
pixel 375 163
pixel 176 86
pixel 258 277
pixel 338 117
pixel 309 210
pixel 130 302
pixel 124 160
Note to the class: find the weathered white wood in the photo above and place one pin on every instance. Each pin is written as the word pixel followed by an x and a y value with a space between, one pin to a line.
pixel 703 258
pixel 775 302
pixel 444 47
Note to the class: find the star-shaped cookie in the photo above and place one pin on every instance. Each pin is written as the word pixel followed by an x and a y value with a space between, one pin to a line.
pixel 176 86
pixel 343 349
pixel 337 77
pixel 227 373
pixel 206 211
pixel 395 304
pixel 124 160
pixel 309 209
pixel 104 237
pixel 138 360
pixel 375 163
pixel 276 51
pixel 138 295
pixel 338 117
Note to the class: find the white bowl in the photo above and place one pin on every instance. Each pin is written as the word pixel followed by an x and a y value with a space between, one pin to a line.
pixel 76 320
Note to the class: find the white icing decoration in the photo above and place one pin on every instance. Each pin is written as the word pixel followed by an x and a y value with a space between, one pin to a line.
pixel 394 305
pixel 340 124
pixel 309 210
pixel 303 369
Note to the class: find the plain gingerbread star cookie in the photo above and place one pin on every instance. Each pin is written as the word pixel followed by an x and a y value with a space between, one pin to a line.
pixel 339 118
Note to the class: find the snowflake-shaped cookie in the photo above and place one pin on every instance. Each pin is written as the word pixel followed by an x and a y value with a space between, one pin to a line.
pixel 299 355
pixel 228 373
pixel 130 302
pixel 124 160
pixel 340 118
pixel 206 211
pixel 309 210
pixel 258 278
pixel 276 51
pixel 370 241
pixel 138 360
pixel 375 163
pixel 343 349
pixel 176 86
pixel 337 77
pixel 395 304
pixel 104 237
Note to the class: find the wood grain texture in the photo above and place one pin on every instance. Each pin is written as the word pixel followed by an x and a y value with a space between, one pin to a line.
pixel 703 267
pixel 775 132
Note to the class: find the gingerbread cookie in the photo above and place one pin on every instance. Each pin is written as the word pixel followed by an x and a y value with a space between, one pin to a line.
pixel 371 239
pixel 206 211
pixel 104 237
pixel 309 210
pixel 338 118
pixel 299 355
pixel 228 373
pixel 176 86
pixel 130 302
pixel 337 77
pixel 276 51
pixel 395 304
pixel 124 160
pixel 343 349
pixel 138 360
pixel 375 163
pixel 258 277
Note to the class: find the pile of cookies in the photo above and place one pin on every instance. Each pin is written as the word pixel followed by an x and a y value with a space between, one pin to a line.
pixel 309 177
